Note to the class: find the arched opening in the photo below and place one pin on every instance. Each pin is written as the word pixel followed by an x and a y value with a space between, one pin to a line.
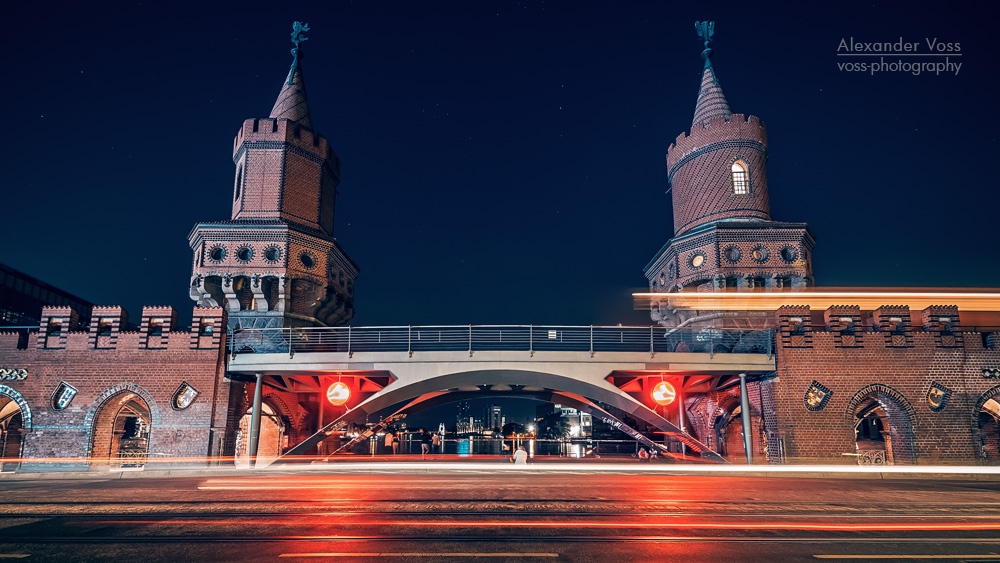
pixel 872 440
pixel 728 437
pixel 989 429
pixel 11 422
pixel 244 294
pixel 121 432
pixel 273 436
pixel 741 178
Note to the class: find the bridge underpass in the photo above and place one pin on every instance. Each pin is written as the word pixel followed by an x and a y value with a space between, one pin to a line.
pixel 408 369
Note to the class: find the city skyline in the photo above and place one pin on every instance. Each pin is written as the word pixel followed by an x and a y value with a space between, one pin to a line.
pixel 488 180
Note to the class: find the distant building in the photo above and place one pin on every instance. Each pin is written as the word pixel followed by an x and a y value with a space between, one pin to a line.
pixel 494 418
pixel 580 424
pixel 22 298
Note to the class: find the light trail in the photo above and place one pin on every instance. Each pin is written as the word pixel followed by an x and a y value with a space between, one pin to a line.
pixel 616 524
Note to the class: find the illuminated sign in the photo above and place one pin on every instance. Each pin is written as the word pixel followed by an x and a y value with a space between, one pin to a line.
pixel 664 393
pixel 338 393
pixel 13 374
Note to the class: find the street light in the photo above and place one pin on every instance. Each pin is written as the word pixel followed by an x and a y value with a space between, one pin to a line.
pixel 338 394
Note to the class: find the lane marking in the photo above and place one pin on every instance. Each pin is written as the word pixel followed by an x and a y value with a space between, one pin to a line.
pixel 14 555
pixel 442 554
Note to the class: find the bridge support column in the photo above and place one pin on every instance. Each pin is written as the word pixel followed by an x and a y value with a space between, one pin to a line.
pixel 255 419
pixel 745 415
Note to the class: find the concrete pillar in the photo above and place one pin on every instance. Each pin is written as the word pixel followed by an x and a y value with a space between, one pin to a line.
pixel 255 420
pixel 745 415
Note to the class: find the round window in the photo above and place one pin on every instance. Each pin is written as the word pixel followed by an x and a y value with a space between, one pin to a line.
pixel 217 254
pixel 697 260
pixel 244 254
pixel 733 254
pixel 307 260
pixel 759 253
pixel 788 254
pixel 272 254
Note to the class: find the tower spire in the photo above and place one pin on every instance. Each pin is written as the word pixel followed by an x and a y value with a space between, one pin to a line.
pixel 712 101
pixel 291 103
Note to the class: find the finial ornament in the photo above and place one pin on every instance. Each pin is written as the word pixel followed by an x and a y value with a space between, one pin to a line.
pixel 298 36
pixel 706 30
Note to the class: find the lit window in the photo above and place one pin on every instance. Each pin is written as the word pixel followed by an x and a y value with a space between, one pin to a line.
pixel 741 178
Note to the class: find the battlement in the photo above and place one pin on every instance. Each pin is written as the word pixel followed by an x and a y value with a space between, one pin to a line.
pixel 108 330
pixel 280 130
pixel 717 130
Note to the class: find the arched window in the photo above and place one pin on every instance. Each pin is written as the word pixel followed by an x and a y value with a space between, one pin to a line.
pixel 741 178
pixel 239 182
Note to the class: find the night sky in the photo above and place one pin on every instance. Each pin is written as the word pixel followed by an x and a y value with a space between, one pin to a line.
pixel 503 162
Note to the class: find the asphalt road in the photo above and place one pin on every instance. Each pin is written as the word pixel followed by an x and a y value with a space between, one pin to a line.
pixel 562 515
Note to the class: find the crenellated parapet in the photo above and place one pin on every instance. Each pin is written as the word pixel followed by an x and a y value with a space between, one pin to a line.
pixel 105 326
pixel 720 129
pixel 156 327
pixel 943 321
pixel 844 321
pixel 795 326
pixel 55 326
pixel 893 321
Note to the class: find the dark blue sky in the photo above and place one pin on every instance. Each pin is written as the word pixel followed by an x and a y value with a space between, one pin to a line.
pixel 503 162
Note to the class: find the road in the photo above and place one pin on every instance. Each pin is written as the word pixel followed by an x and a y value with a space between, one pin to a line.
pixel 566 514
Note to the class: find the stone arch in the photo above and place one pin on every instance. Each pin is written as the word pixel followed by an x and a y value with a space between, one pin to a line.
pixel 274 427
pixel 99 422
pixel 986 422
pixel 900 415
pixel 15 416
pixel 724 420
pixel 13 395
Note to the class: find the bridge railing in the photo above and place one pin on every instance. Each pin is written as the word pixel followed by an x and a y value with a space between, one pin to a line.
pixel 526 338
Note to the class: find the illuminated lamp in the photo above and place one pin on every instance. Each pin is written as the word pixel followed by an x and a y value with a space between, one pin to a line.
pixel 338 394
pixel 664 393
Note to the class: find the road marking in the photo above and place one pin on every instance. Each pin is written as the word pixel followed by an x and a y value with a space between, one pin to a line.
pixel 14 555
pixel 901 556
pixel 442 554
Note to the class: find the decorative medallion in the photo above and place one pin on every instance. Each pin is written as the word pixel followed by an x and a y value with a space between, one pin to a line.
pixel 183 396
pixel 217 254
pixel 63 396
pixel 732 254
pixel 760 253
pixel 817 396
pixel 697 259
pixel 307 259
pixel 272 254
pixel 937 396
pixel 789 254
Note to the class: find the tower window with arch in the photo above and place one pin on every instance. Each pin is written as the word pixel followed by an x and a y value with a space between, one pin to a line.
pixel 239 182
pixel 741 178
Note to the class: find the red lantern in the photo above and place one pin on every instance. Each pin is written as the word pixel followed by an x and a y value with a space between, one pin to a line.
pixel 338 394
pixel 664 393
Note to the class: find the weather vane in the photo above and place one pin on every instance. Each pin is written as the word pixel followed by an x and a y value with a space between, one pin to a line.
pixel 706 30
pixel 298 36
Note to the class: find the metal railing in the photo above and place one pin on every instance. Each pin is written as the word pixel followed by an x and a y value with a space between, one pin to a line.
pixel 479 338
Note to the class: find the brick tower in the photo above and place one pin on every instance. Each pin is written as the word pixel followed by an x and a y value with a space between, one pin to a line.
pixel 275 262
pixel 724 237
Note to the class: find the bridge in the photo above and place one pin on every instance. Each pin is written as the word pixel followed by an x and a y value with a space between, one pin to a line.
pixel 405 369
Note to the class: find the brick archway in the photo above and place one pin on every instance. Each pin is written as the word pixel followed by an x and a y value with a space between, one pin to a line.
pixel 101 422
pixel 900 415
pixel 987 426
pixel 724 424
pixel 13 395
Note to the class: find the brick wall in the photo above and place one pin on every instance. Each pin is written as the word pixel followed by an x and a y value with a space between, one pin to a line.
pixel 113 369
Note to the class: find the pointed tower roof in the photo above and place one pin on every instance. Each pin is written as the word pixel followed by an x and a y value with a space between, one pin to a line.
pixel 291 103
pixel 712 101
